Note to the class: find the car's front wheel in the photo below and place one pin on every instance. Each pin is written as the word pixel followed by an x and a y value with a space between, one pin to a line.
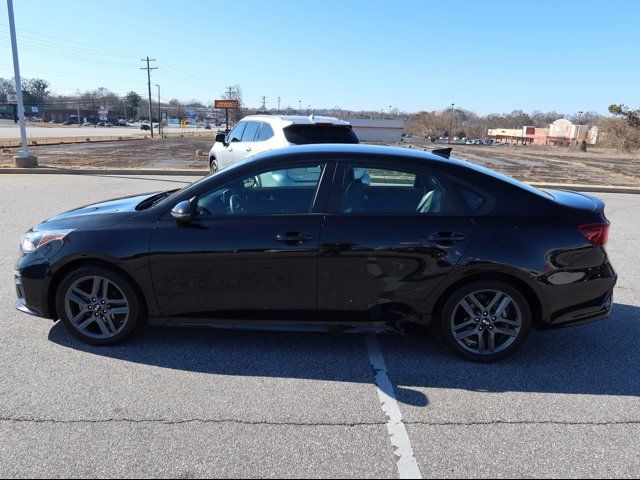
pixel 213 165
pixel 485 321
pixel 98 305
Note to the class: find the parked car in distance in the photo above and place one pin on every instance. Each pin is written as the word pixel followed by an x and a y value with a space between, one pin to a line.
pixel 260 133
pixel 429 241
pixel 122 123
pixel 70 122
pixel 87 124
pixel 145 126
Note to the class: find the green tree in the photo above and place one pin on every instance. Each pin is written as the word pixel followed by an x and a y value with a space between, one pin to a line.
pixel 631 116
pixel 132 100
pixel 35 90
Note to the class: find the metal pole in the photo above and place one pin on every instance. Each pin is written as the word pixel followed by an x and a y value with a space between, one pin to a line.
pixel 78 115
pixel 159 113
pixel 22 154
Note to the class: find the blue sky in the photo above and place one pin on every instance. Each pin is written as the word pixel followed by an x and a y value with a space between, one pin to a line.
pixel 493 56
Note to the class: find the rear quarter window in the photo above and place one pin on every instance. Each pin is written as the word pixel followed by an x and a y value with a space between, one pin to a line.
pixel 310 134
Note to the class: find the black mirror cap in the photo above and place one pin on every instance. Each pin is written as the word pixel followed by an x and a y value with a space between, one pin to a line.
pixel 221 137
pixel 182 211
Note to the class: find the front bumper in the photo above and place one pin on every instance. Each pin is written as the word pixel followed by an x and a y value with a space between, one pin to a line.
pixel 31 293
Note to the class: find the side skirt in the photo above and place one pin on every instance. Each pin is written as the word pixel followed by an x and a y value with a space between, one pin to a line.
pixel 279 325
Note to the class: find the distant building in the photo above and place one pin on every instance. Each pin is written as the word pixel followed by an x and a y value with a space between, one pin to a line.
pixel 377 129
pixel 561 131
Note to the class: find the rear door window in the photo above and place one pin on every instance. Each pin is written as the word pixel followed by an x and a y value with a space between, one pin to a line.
pixel 308 134
pixel 392 190
pixel 265 132
pixel 250 131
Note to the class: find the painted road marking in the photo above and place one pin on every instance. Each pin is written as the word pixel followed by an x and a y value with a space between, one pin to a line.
pixel 406 463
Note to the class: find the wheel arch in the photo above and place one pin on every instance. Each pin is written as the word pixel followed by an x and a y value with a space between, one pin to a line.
pixel 535 303
pixel 88 262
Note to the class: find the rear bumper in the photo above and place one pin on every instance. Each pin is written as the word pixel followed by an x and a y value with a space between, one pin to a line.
pixel 599 309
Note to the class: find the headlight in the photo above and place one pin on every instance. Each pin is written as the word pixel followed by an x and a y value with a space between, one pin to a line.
pixel 34 240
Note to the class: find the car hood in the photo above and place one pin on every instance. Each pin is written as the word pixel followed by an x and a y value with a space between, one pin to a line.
pixel 96 215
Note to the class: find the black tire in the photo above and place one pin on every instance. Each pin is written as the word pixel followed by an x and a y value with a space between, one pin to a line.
pixel 482 288
pixel 122 286
pixel 213 165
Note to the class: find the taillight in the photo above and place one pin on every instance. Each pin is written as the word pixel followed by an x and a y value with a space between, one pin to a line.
pixel 596 233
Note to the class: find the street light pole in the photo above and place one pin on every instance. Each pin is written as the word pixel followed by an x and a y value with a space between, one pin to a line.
pixel 23 158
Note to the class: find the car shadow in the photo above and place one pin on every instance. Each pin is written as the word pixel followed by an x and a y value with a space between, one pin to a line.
pixel 596 359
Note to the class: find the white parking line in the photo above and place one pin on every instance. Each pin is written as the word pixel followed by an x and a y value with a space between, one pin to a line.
pixel 406 463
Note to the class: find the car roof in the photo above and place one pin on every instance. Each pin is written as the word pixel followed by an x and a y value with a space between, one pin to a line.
pixel 359 149
pixel 295 119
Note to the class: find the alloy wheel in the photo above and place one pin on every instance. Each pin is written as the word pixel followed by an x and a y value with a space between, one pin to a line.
pixel 96 307
pixel 486 322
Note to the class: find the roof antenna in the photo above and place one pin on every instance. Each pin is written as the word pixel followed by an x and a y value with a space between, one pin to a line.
pixel 442 152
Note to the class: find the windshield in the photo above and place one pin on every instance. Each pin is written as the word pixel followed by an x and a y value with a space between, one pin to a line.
pixel 307 134
pixel 194 185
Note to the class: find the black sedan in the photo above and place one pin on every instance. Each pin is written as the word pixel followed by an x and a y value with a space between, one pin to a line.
pixel 338 237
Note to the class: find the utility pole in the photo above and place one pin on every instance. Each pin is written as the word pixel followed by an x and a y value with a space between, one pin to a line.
pixel 230 96
pixel 78 115
pixel 159 113
pixel 299 107
pixel 148 69
pixel 451 122
pixel 23 157
pixel 278 104
pixel 264 102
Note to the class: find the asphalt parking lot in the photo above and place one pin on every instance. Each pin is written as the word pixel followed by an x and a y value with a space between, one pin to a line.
pixel 193 403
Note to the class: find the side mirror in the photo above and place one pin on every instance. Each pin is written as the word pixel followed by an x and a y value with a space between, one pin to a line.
pixel 220 137
pixel 182 211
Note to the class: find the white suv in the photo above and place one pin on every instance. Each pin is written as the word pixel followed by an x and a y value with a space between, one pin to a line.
pixel 260 133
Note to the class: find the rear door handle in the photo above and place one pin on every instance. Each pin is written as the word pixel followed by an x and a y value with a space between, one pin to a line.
pixel 447 238
pixel 293 238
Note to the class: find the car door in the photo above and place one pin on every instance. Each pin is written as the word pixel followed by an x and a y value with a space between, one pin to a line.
pixel 244 148
pixel 394 232
pixel 230 151
pixel 250 251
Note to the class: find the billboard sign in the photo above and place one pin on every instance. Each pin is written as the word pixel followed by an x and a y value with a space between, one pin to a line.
pixel 226 104
pixel 12 98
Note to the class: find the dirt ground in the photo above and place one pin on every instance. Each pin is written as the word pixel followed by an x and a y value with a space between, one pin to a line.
pixel 142 153
pixel 533 164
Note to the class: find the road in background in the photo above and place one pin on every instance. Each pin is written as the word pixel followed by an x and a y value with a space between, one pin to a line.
pixel 192 403
pixel 10 131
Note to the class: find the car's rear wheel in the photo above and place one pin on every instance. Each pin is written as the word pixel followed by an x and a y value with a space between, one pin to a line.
pixel 213 165
pixel 485 321
pixel 98 305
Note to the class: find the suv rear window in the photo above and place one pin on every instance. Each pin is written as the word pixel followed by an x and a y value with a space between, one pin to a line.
pixel 307 134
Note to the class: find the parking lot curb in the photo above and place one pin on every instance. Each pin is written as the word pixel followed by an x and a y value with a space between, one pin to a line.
pixel 201 172
pixel 103 171
pixel 586 188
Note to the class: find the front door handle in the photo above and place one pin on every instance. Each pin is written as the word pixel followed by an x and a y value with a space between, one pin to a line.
pixel 293 238
pixel 230 149
pixel 447 238
pixel 248 149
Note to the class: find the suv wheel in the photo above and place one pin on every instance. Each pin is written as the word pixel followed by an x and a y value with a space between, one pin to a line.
pixel 485 321
pixel 213 165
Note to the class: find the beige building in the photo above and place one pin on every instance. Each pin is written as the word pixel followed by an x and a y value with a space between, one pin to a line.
pixel 561 131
